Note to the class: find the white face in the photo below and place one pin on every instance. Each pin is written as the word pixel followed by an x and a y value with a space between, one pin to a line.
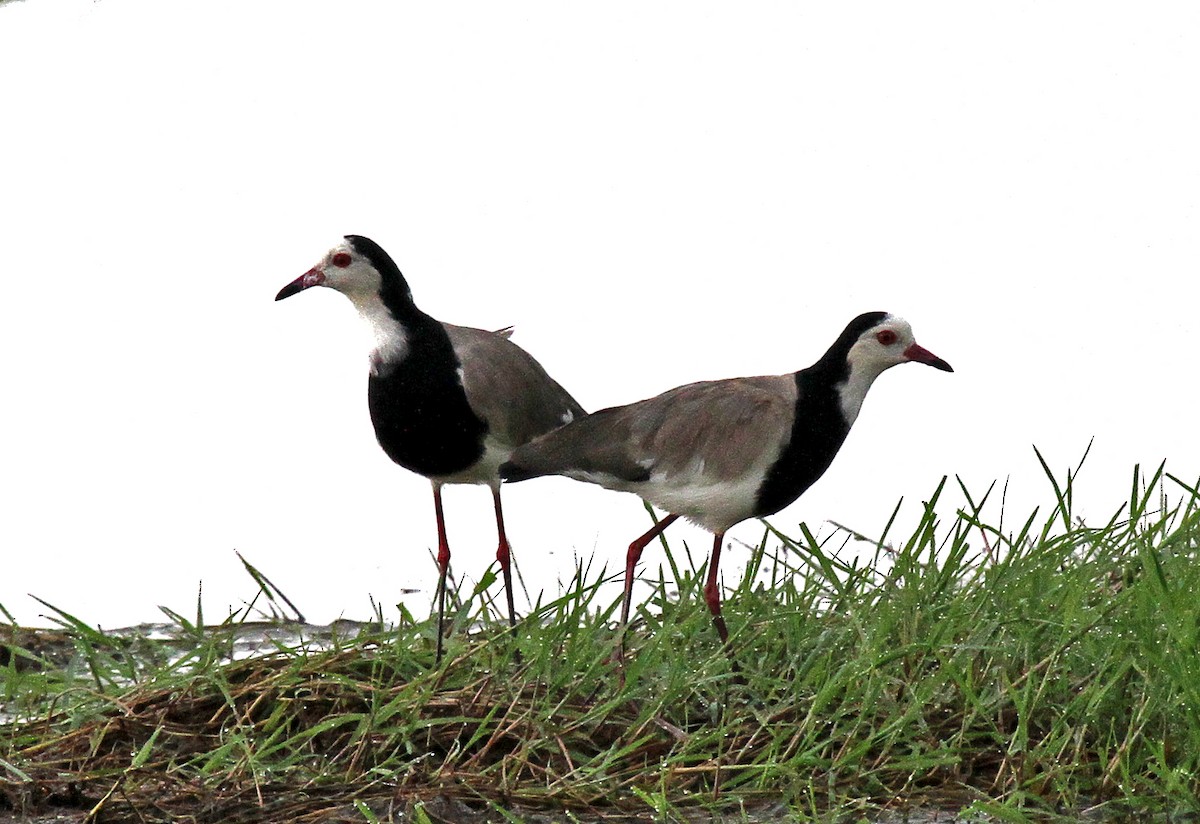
pixel 347 271
pixel 343 269
pixel 353 274
pixel 889 343
pixel 882 346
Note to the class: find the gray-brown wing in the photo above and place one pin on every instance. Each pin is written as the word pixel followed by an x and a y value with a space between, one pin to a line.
pixel 508 388
pixel 719 429
pixel 714 429
pixel 593 448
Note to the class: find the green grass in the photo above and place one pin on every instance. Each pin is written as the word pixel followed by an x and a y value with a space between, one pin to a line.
pixel 1024 672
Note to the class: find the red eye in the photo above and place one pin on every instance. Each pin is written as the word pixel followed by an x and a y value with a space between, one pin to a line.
pixel 887 337
pixel 341 260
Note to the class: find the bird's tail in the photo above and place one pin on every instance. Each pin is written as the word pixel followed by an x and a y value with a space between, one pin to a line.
pixel 513 472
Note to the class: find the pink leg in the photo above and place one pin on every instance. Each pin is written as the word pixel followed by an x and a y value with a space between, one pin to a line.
pixel 503 551
pixel 712 592
pixel 631 558
pixel 443 562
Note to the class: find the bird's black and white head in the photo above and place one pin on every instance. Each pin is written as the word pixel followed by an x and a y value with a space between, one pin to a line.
pixel 360 269
pixel 872 343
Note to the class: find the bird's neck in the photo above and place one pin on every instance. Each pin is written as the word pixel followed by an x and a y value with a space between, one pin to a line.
pixel 853 389
pixel 388 327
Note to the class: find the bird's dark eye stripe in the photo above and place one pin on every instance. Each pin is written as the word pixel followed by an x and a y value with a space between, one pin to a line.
pixel 341 260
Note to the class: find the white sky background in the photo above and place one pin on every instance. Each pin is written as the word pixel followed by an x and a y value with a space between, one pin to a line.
pixel 651 193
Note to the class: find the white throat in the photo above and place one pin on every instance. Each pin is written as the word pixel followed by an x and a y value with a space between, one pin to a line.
pixel 387 337
pixel 854 389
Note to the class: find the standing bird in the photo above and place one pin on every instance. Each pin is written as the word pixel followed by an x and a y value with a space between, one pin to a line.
pixel 719 452
pixel 448 402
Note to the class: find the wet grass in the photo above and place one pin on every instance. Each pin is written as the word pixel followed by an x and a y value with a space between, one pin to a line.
pixel 1024 672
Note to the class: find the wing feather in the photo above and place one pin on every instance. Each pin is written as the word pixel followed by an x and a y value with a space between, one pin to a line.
pixel 701 433
pixel 507 388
